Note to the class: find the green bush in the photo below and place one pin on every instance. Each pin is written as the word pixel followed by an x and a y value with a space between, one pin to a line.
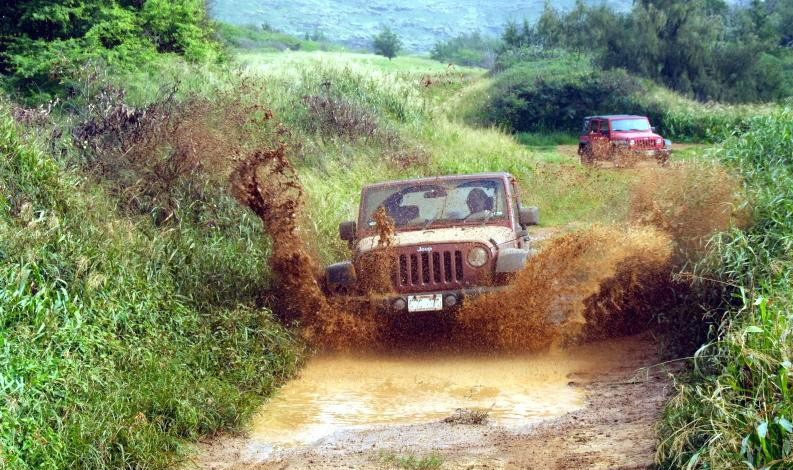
pixel 736 409
pixel 467 49
pixel 554 91
pixel 556 95
pixel 111 352
pixel 266 39
pixel 43 43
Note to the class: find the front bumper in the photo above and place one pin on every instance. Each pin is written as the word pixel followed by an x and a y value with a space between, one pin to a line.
pixel 394 302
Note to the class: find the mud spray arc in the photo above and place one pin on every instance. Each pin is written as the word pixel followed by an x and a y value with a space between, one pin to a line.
pixel 597 282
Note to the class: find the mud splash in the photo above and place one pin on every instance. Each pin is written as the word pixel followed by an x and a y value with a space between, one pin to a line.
pixel 267 183
pixel 595 282
pixel 547 301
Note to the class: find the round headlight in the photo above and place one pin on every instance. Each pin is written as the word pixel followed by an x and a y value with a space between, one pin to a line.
pixel 631 142
pixel 477 256
pixel 659 142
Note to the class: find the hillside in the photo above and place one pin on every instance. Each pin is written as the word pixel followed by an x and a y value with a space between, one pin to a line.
pixel 419 24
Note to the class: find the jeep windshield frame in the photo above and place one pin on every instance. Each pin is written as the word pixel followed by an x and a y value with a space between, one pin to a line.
pixel 437 203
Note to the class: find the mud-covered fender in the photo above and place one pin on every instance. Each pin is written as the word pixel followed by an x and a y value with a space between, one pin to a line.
pixel 511 260
pixel 340 274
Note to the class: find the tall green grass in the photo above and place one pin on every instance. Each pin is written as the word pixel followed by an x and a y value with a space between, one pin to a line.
pixel 736 409
pixel 118 338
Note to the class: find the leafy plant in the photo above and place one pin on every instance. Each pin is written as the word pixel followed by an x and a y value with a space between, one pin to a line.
pixel 387 43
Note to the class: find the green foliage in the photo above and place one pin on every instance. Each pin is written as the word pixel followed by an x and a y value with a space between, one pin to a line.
pixel 467 49
pixel 736 409
pixel 702 49
pixel 543 91
pixel 43 43
pixel 411 462
pixel 111 351
pixel 264 38
pixel 387 43
pixel 529 99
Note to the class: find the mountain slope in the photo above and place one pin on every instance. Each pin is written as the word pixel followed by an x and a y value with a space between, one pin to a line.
pixel 420 24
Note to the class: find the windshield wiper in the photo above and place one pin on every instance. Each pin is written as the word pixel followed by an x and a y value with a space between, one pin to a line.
pixel 443 209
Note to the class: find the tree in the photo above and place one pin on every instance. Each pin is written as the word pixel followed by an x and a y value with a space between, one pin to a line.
pixel 387 43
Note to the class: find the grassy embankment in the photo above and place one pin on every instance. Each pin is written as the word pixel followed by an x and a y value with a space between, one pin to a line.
pixel 120 336
pixel 735 409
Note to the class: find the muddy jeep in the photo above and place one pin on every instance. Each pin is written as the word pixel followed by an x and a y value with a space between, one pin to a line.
pixel 621 139
pixel 427 244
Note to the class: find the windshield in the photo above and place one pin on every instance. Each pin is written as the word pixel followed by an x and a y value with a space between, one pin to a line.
pixel 419 205
pixel 630 125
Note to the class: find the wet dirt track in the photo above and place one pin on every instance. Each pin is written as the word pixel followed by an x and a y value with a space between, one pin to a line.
pixel 586 407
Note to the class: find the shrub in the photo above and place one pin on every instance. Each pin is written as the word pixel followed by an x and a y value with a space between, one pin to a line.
pixel 387 43
pixel 467 49
pixel 524 100
pixel 553 91
pixel 44 43
pixel 736 408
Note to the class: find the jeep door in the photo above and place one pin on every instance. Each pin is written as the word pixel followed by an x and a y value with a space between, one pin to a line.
pixel 599 135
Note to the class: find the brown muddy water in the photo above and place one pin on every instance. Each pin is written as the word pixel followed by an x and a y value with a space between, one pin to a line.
pixel 345 393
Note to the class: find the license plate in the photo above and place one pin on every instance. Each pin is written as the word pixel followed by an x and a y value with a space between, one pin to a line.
pixel 425 303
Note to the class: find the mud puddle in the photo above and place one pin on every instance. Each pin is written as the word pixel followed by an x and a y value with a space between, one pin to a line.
pixel 562 409
pixel 344 393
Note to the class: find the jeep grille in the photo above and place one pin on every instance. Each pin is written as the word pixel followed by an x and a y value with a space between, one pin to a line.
pixel 646 143
pixel 438 269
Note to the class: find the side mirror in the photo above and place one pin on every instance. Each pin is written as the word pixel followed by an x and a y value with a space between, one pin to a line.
pixel 347 231
pixel 529 216
pixel 653 129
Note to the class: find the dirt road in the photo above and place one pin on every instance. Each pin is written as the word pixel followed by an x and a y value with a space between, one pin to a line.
pixel 586 407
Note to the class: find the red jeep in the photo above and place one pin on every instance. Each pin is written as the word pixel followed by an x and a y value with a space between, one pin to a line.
pixel 621 139
pixel 452 237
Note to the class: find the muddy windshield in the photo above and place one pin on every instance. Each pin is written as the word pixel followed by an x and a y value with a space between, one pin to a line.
pixel 419 205
pixel 622 125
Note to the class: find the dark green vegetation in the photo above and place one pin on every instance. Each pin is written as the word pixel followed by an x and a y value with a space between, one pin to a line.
pixel 593 60
pixel 473 50
pixel 266 39
pixel 705 49
pixel 42 43
pixel 735 410
pixel 387 43
pixel 550 91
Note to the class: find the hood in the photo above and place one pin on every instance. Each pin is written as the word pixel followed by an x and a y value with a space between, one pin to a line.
pixel 482 234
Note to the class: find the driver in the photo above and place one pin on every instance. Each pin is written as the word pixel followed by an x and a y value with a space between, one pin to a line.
pixel 478 201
